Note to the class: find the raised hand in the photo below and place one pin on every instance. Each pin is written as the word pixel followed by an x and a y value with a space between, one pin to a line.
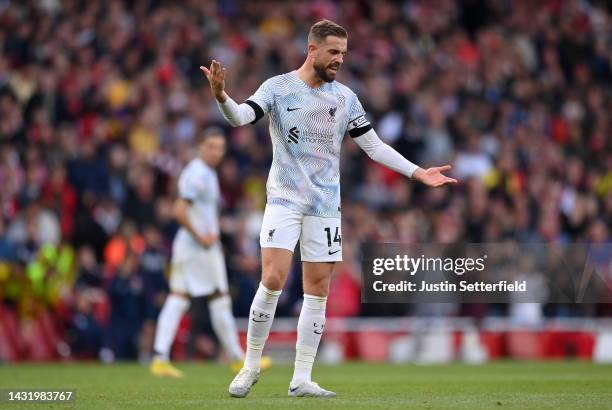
pixel 433 176
pixel 216 77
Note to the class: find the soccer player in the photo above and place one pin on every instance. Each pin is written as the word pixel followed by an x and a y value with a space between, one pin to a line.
pixel 309 115
pixel 198 265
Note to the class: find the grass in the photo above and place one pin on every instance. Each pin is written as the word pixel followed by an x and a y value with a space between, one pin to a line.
pixel 500 385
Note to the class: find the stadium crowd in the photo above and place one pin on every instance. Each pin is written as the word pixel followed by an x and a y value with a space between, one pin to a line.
pixel 100 103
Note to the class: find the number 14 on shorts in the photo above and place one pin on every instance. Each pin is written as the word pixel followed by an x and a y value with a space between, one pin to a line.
pixel 337 237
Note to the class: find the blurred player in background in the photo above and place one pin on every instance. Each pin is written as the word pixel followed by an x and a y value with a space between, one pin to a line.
pixel 309 116
pixel 198 265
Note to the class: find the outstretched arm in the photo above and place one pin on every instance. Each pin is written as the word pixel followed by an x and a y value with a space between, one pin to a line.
pixel 235 114
pixel 387 156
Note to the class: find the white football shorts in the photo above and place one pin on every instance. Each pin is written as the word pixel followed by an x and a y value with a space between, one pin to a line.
pixel 196 270
pixel 320 237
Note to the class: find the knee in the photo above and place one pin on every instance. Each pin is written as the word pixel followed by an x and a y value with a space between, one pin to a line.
pixel 178 295
pixel 272 277
pixel 317 286
pixel 219 300
pixel 178 301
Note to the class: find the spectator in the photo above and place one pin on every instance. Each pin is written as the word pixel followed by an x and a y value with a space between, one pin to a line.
pixel 85 334
pixel 89 274
pixel 128 301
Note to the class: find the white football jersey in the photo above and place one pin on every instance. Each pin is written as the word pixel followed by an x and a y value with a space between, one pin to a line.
pixel 307 126
pixel 198 184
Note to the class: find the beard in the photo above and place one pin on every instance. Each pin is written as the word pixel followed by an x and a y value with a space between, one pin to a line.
pixel 322 72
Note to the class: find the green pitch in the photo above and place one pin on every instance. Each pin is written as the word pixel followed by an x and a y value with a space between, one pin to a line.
pixel 504 385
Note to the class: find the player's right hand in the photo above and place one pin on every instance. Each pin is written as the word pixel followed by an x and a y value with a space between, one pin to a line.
pixel 208 240
pixel 216 77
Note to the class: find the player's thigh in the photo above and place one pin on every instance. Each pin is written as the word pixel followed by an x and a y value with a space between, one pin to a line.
pixel 321 239
pixel 180 264
pixel 280 227
pixel 280 231
pixel 321 248
pixel 275 266
pixel 317 277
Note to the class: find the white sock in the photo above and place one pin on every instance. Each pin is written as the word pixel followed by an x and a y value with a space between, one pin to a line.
pixel 224 325
pixel 309 331
pixel 260 322
pixel 167 323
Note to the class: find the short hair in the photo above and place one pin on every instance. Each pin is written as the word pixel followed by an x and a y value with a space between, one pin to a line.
pixel 210 132
pixel 321 29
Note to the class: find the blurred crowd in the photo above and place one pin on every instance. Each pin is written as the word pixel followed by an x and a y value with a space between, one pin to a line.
pixel 100 103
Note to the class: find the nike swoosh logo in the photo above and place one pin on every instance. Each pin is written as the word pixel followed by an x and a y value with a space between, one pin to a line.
pixel 259 321
pixel 293 109
pixel 293 389
pixel 319 333
pixel 331 253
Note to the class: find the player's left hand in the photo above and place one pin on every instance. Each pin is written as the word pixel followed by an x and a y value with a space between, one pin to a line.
pixel 433 176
